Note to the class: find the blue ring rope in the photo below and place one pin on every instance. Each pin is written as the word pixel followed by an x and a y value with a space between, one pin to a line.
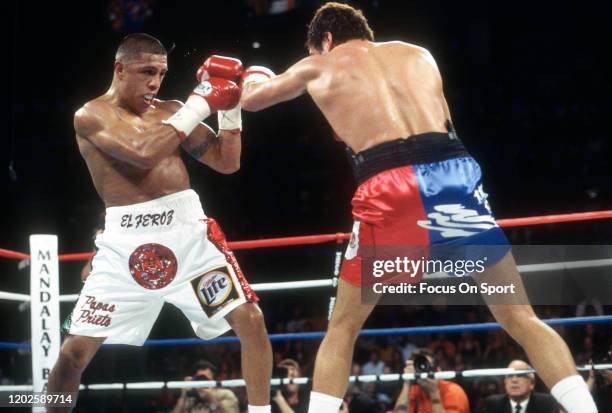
pixel 452 328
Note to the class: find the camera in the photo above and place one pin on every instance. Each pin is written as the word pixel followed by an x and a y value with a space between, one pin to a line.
pixel 278 372
pixel 422 365
pixel 194 392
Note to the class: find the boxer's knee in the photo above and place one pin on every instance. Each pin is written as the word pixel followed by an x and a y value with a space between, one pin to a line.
pixel 75 354
pixel 515 319
pixel 71 361
pixel 346 324
pixel 247 321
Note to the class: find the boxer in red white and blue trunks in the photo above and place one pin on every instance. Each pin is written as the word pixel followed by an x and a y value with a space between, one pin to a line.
pixel 418 186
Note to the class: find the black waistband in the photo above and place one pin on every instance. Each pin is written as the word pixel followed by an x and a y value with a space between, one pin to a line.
pixel 422 148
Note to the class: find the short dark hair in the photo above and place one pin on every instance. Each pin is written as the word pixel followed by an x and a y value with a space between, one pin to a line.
pixel 342 21
pixel 136 43
pixel 290 363
pixel 423 351
pixel 204 365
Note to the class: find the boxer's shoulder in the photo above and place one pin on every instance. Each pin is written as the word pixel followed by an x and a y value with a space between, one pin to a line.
pixel 310 67
pixel 91 116
pixel 169 106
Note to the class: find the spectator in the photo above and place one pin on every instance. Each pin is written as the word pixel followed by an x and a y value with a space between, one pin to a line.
pixel 374 366
pixel 520 397
pixel 297 323
pixel 430 395
pixel 496 348
pixel 600 384
pixel 480 390
pixel 205 400
pixel 293 397
pixel 441 342
pixel 469 350
pixel 355 387
pixel 362 403
pixel 407 349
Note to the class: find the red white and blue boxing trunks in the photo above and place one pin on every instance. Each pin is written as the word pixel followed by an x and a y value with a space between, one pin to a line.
pixel 417 193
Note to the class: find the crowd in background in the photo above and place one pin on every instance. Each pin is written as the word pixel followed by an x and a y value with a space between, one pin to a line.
pixel 380 355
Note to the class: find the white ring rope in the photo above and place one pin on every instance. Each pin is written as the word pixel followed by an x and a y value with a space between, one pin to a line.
pixel 274 286
pixel 328 282
pixel 153 385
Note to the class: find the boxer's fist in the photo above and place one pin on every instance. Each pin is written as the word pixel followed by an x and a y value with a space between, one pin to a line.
pixel 255 74
pixel 220 94
pixel 220 66
pixel 209 96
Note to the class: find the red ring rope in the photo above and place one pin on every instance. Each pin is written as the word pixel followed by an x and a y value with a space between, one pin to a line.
pixel 338 237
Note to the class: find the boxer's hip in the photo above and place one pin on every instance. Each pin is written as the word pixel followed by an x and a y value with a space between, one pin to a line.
pixel 156 215
pixel 428 183
pixel 156 244
pixel 419 149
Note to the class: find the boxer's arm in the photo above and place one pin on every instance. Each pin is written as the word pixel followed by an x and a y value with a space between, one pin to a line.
pixel 286 86
pixel 141 148
pixel 220 152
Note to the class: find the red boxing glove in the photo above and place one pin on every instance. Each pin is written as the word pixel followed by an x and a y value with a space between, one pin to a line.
pixel 220 94
pixel 255 74
pixel 209 96
pixel 220 66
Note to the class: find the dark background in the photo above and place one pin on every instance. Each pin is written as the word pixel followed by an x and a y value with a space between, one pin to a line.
pixel 527 84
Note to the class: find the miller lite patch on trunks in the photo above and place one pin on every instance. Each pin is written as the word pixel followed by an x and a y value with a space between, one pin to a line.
pixel 164 250
pixel 215 290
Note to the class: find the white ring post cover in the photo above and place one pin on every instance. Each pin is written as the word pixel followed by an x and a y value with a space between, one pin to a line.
pixel 45 317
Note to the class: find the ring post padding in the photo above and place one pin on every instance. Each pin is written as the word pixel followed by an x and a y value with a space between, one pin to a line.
pixel 44 309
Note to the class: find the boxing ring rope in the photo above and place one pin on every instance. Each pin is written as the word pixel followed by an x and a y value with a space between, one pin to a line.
pixel 339 236
pixel 329 282
pixel 332 281
pixel 231 383
pixel 373 332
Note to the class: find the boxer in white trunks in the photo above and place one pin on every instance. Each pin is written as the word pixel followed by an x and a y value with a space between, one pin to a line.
pixel 158 245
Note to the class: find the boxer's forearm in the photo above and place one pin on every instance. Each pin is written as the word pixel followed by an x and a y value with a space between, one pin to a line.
pixel 254 97
pixel 259 95
pixel 229 149
pixel 221 153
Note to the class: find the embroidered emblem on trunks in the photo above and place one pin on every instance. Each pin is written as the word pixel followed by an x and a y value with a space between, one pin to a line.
pixel 153 266
pixel 214 289
pixel 453 220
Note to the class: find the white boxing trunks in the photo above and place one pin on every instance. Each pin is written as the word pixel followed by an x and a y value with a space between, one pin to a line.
pixel 163 250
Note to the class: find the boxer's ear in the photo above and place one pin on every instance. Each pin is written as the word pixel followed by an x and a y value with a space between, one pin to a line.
pixel 327 44
pixel 119 69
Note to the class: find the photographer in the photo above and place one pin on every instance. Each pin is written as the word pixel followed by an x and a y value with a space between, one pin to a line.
pixel 206 400
pixel 600 385
pixel 430 395
pixel 291 398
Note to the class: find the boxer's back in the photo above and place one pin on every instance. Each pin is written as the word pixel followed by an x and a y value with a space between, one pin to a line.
pixel 376 92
